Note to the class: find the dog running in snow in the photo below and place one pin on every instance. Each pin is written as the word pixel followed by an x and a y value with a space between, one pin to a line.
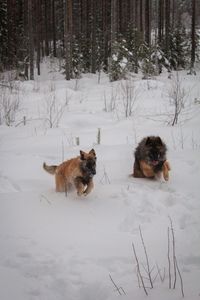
pixel 150 159
pixel 78 172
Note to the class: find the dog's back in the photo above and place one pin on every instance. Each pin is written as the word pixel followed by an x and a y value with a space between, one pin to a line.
pixel 70 168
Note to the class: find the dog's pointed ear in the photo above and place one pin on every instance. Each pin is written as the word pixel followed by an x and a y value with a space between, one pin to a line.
pixel 82 155
pixel 159 141
pixel 92 152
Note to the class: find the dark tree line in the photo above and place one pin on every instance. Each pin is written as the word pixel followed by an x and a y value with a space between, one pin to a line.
pixel 89 35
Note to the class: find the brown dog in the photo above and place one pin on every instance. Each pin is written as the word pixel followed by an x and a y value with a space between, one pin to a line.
pixel 150 158
pixel 78 171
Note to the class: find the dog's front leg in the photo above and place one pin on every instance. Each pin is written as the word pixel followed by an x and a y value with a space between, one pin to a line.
pixel 166 168
pixel 137 170
pixel 89 187
pixel 80 187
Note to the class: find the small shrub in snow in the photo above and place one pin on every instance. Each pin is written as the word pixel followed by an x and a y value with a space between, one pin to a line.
pixel 129 97
pixel 177 96
pixel 147 274
pixel 9 106
pixel 110 104
pixel 54 109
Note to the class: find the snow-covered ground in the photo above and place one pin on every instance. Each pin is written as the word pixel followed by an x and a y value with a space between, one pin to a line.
pixel 55 247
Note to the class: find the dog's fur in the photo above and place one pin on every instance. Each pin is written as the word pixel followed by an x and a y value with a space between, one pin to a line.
pixel 78 171
pixel 150 158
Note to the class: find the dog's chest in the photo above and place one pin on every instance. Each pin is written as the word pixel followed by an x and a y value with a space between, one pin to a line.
pixel 85 180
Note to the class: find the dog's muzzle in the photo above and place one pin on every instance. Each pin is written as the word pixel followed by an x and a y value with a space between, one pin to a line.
pixel 91 173
pixel 155 162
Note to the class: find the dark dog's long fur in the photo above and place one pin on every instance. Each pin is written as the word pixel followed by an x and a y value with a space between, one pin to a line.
pixel 78 171
pixel 150 158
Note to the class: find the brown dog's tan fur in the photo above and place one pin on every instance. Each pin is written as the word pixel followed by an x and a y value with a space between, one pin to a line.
pixel 74 172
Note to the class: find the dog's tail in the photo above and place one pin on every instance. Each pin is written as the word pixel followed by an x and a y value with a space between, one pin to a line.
pixel 49 169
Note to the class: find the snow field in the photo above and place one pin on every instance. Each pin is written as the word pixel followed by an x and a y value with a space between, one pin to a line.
pixel 56 247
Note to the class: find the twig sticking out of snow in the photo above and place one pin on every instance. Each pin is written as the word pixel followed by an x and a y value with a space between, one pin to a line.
pixel 162 277
pixel 176 268
pixel 43 197
pixel 147 259
pixel 169 261
pixel 118 289
pixel 99 136
pixel 173 251
pixel 105 178
pixel 138 270
pixel 179 273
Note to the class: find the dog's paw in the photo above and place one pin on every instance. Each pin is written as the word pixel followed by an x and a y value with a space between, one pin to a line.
pixel 167 165
pixel 166 176
pixel 80 193
pixel 86 192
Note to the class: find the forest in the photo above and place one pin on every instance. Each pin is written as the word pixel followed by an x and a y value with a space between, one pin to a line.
pixel 114 36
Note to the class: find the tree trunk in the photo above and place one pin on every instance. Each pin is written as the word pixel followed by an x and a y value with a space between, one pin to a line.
pixel 38 30
pixel 160 21
pixel 113 25
pixel 68 39
pixel 31 42
pixel 46 18
pixel 167 25
pixel 193 42
pixel 147 22
pixel 141 18
pixel 54 28
pixel 93 36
